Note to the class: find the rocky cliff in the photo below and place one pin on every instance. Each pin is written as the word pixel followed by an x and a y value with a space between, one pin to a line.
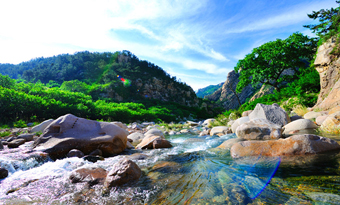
pixel 226 95
pixel 328 66
pixel 208 90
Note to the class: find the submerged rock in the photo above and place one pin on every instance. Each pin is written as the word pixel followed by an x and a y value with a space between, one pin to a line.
pixel 122 172
pixel 92 176
pixel 259 129
pixel 70 132
pixel 294 145
pixel 3 173
pixel 273 113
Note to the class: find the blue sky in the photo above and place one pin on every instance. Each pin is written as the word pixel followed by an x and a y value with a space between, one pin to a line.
pixel 198 41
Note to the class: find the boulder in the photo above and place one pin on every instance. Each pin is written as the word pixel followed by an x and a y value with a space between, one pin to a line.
pixel 75 153
pixel 120 124
pixel 246 113
pixel 207 122
pixel 273 113
pixel 204 133
pixel 239 122
pixel 1 146
pixel 122 172
pixel 41 126
pixel 70 132
pixel 259 129
pixel 154 131
pixel 98 152
pixel 26 137
pixel 331 123
pixel 185 131
pixel 294 145
pixel 312 115
pixel 319 120
pixel 295 117
pixel 3 173
pixel 229 143
pixel 136 137
pixel 92 176
pixel 16 143
pixel 172 132
pixel 161 143
pixel 220 130
pixel 147 142
pixel 301 124
pixel 192 123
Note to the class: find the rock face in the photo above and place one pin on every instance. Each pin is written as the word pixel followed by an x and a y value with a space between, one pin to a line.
pixel 70 132
pixel 227 97
pixel 259 129
pixel 92 176
pixel 273 113
pixel 122 172
pixel 294 145
pixel 41 126
pixel 331 123
pixel 300 124
pixel 328 67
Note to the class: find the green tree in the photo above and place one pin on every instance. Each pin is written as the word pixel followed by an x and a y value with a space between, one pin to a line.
pixel 267 63
pixel 329 22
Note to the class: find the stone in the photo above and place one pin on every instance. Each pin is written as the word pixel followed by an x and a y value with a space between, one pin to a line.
pixel 226 145
pixel 259 129
pixel 97 152
pixel 207 122
pixel 136 137
pixel 93 175
pixel 92 158
pixel 192 123
pixel 70 132
pixel 1 145
pixel 41 126
pixel 246 113
pixel 75 153
pixel 120 124
pixel 301 124
pixel 312 115
pixel 204 133
pixel 154 131
pixel 161 143
pixel 172 132
pixel 138 156
pixel 16 143
pixel 136 127
pixel 294 145
pixel 123 172
pixel 185 131
pixel 220 130
pixel 3 173
pixel 273 113
pixel 331 123
pixel 147 142
pixel 129 146
pixel 239 122
pixel 26 137
pixel 319 120
pixel 295 117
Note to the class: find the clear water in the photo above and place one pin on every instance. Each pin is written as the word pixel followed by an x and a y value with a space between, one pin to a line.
pixel 191 172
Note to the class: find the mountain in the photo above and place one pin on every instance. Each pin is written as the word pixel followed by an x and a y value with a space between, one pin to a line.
pixel 201 93
pixel 120 76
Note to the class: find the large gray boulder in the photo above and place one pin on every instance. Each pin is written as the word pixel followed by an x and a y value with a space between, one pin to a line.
pixel 70 132
pixel 41 126
pixel 301 124
pixel 239 122
pixel 274 113
pixel 259 129
pixel 136 137
pixel 122 172
pixel 294 145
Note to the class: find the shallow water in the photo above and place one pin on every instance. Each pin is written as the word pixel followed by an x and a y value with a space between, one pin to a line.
pixel 191 172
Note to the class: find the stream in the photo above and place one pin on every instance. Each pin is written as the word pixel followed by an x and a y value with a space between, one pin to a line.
pixel 193 171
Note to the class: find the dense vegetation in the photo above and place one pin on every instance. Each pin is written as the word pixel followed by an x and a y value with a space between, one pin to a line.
pixel 37 101
pixel 208 90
